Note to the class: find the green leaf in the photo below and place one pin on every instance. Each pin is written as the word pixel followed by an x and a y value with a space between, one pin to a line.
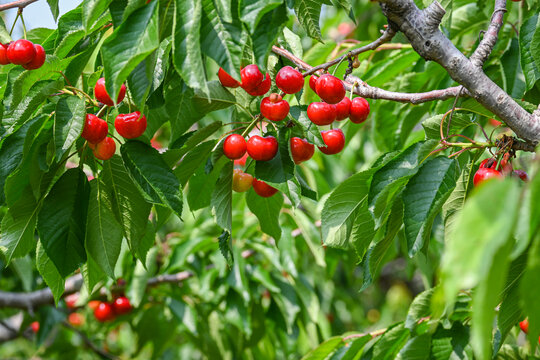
pixel 222 198
pixel 417 348
pixel 390 343
pixel 451 343
pixel 70 32
pixel 202 184
pixel 294 42
pixel 251 11
pixel 62 221
pixel 53 5
pixel 103 232
pixel 92 10
pixel 420 308
pixel 460 121
pixel 325 349
pixel 423 198
pixel 526 45
pixel 312 132
pixel 529 296
pixel 152 176
pixel 5 38
pixel 187 55
pixel 49 272
pixel 388 69
pixel 192 161
pixel 224 241
pixel 264 39
pixel 513 77
pixel 135 39
pixel 308 13
pixel 127 203
pixel 267 211
pixel 69 122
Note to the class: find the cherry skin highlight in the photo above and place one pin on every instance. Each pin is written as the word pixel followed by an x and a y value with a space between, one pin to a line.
pixel 321 113
pixel 121 305
pixel 301 150
pixel 262 149
pixel 101 94
pixel 263 189
pixel 330 89
pixel 227 80
pixel 95 129
pixel 289 80
pixel 274 107
pixel 234 146
pixel 130 126
pixel 359 110
pixel 484 174
pixel 21 52
pixel 334 140
pixel 38 60
pixel 104 312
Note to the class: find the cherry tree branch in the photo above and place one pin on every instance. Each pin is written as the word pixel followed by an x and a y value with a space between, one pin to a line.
pixel 485 47
pixel 21 4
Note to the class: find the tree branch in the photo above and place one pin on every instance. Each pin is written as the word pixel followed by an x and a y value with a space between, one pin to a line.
pixel 89 343
pixel 485 47
pixel 421 27
pixel 21 4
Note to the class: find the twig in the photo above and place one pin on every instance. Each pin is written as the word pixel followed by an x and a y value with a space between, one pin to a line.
pixel 89 343
pixel 21 4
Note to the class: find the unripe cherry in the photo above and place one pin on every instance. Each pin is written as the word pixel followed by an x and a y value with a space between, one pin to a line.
pixel 241 181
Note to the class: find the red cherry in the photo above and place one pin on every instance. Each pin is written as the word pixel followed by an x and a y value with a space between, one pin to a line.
pixel 38 60
pixel 274 107
pixel 289 80
pixel 101 94
pixel 301 150
pixel 521 174
pixel 263 189
pixel 242 160
pixel 104 312
pixel 105 149
pixel 262 149
pixel 313 83
pixel 93 304
pixel 343 109
pixel 484 174
pixel 75 319
pixel 241 181
pixel 21 52
pixel 130 125
pixel 3 55
pixel 491 162
pixel 227 80
pixel 321 113
pixel 330 89
pixel 494 122
pixel 121 305
pixel 262 88
pixel 95 129
pixel 524 325
pixel 251 77
pixel 71 300
pixel 234 146
pixel 334 140
pixel 35 326
pixel 359 110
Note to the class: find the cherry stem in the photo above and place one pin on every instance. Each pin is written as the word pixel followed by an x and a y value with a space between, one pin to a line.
pixel 251 125
pixel 23 24
pixel 354 85
pixel 74 89
pixel 14 22
pixel 339 63
pixel 245 109
pixel 99 113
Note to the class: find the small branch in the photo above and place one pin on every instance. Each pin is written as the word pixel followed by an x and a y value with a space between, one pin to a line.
pixel 485 47
pixel 21 4
pixel 89 343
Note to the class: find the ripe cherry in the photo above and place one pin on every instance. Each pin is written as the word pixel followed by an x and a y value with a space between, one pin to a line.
pixel 321 113
pixel 289 80
pixel 301 150
pixel 121 305
pixel 330 89
pixel 343 109
pixel 522 175
pixel 263 189
pixel 262 149
pixel 251 77
pixel 274 107
pixel 489 163
pixel 494 122
pixel 76 319
pixel 104 312
pixel 263 87
pixel 227 80
pixel 95 129
pixel 105 149
pixel 334 140
pixel 234 146
pixel 71 300
pixel 313 83
pixel 102 95
pixel 524 325
pixel 359 110
pixel 35 326
pixel 484 174
pixel 242 160
pixel 38 60
pixel 241 181
pixel 21 52
pixel 3 55
pixel 130 125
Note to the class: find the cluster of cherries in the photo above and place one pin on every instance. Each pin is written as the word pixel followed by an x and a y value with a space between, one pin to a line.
pixel 335 106
pixel 22 52
pixel 103 311
pixel 95 130
pixel 488 170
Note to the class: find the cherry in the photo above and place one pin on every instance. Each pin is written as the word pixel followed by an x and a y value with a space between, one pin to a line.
pixel 242 160
pixel 313 83
pixel 263 87
pixel 359 110
pixel 274 107
pixel 95 129
pixel 35 326
pixel 227 80
pixel 241 181
pixel 289 80
pixel 38 60
pixel 524 325
pixel 334 140
pixel 130 125
pixel 301 150
pixel 343 108
pixel 103 96
pixel 321 113
pixel 75 319
pixel 488 163
pixel 121 305
pixel 522 175
pixel 71 300
pixel 21 52
pixel 263 189
pixel 93 304
pixel 251 77
pixel 494 122
pixel 105 149
pixel 234 146
pixel 484 174
pixel 330 89
pixel 104 312
pixel 262 149
pixel 3 55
